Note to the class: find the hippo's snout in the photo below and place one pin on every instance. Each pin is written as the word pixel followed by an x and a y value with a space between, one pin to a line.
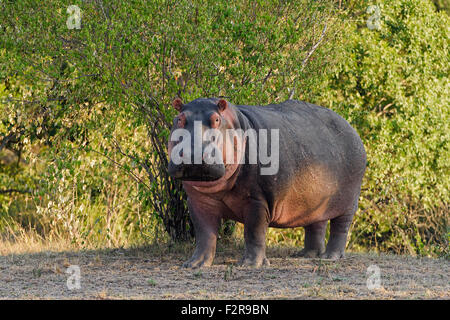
pixel 196 172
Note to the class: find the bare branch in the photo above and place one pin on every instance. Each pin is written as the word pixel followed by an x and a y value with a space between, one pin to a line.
pixel 14 191
pixel 6 140
pixel 314 47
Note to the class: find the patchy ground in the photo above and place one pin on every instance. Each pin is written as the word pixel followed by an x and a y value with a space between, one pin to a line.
pixel 155 273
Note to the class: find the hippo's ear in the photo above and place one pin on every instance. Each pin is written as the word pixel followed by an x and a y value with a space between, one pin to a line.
pixel 177 104
pixel 222 104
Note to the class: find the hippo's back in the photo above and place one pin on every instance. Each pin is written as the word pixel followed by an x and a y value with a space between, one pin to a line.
pixel 306 130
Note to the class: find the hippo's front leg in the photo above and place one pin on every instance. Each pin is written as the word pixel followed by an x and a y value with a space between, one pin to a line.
pixel 256 223
pixel 206 226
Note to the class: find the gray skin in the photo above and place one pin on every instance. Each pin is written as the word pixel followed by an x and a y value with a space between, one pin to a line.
pixel 322 163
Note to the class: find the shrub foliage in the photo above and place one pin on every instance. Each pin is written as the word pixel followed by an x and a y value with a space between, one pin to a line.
pixel 85 112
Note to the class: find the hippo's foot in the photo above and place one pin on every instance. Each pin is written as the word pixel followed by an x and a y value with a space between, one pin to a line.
pixel 333 255
pixel 254 262
pixel 314 240
pixel 335 247
pixel 310 253
pixel 198 261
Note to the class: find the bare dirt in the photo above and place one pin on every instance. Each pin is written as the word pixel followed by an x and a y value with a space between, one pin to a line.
pixel 155 273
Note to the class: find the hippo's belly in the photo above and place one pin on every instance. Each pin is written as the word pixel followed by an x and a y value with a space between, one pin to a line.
pixel 307 198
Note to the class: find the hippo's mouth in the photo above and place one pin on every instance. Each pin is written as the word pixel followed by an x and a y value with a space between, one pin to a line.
pixel 197 173
pixel 205 182
pixel 231 173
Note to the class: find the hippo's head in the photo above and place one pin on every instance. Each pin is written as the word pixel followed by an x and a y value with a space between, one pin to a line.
pixel 200 140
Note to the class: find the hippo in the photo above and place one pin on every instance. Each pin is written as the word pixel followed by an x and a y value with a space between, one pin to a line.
pixel 315 179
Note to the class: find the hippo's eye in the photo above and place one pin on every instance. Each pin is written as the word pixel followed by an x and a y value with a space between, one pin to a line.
pixel 215 120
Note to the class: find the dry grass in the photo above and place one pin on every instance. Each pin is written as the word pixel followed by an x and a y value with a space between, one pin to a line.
pixel 154 272
pixel 21 241
pixel 34 245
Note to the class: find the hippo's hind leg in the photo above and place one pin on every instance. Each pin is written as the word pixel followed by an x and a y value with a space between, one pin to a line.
pixel 337 241
pixel 314 240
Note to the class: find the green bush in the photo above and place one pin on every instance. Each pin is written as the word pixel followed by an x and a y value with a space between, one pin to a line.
pixel 442 5
pixel 84 94
pixel 85 112
pixel 393 87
